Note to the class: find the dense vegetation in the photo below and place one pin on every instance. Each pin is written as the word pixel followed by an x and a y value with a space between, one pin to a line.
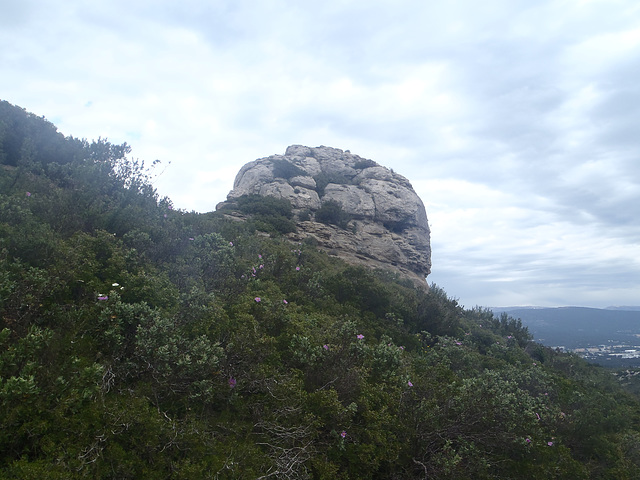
pixel 141 341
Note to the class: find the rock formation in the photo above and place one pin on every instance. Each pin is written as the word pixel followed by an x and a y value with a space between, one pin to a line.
pixel 385 222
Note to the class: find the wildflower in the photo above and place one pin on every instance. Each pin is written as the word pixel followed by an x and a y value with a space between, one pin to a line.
pixel 343 434
pixel 115 284
pixel 550 444
pixel 409 383
pixel 165 215
pixel 360 336
pixel 232 382
pixel 257 299
pixel 260 256
pixel 528 440
pixel 191 239
pixel 458 343
pixel 537 415
pixel 28 194
pixel 261 266
pixel 297 269
pixel 325 346
pixel 401 347
pixel 285 302
pixel 103 297
pixel 231 244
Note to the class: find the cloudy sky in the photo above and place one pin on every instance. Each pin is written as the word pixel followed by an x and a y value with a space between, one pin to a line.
pixel 517 122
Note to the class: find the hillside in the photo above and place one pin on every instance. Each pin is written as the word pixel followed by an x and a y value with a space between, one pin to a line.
pixel 138 340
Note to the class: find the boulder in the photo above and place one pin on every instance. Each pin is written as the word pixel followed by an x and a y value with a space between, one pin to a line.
pixel 388 225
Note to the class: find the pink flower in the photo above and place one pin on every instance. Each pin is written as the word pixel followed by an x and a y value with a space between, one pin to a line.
pixel 550 444
pixel 528 440
pixel 537 415
pixel 261 266
pixel 285 302
pixel 360 336
pixel 325 346
pixel 232 382
pixel 257 299
pixel 343 434
pixel 260 256
pixel 297 269
pixel 409 383
pixel 231 244
pixel 28 194
pixel 103 297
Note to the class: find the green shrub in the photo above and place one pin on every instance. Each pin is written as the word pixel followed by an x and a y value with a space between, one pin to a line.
pixel 325 178
pixel 285 169
pixel 364 163
pixel 331 213
pixel 258 204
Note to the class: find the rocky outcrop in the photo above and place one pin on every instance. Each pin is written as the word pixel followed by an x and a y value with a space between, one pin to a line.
pixel 387 223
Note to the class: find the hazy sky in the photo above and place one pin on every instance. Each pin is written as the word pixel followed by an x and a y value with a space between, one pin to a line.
pixel 517 122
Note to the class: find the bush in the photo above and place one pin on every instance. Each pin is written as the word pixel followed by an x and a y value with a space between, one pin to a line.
pixel 331 213
pixel 323 179
pixel 270 206
pixel 364 163
pixel 285 169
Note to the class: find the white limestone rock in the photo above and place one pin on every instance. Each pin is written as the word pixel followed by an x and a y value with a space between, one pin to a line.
pixel 389 227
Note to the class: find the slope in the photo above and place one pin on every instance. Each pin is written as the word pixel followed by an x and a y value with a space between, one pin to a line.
pixel 141 341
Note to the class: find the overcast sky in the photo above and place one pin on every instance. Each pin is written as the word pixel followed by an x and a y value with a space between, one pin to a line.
pixel 517 122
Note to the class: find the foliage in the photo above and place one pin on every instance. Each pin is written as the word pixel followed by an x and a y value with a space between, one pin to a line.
pixel 139 341
pixel 269 214
pixel 364 163
pixel 331 213
pixel 325 178
pixel 285 169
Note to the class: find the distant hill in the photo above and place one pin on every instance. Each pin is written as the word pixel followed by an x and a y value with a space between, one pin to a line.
pixel 575 327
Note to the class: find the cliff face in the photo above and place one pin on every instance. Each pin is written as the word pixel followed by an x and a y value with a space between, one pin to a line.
pixel 384 222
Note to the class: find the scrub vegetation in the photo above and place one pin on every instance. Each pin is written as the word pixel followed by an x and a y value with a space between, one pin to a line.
pixel 138 340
